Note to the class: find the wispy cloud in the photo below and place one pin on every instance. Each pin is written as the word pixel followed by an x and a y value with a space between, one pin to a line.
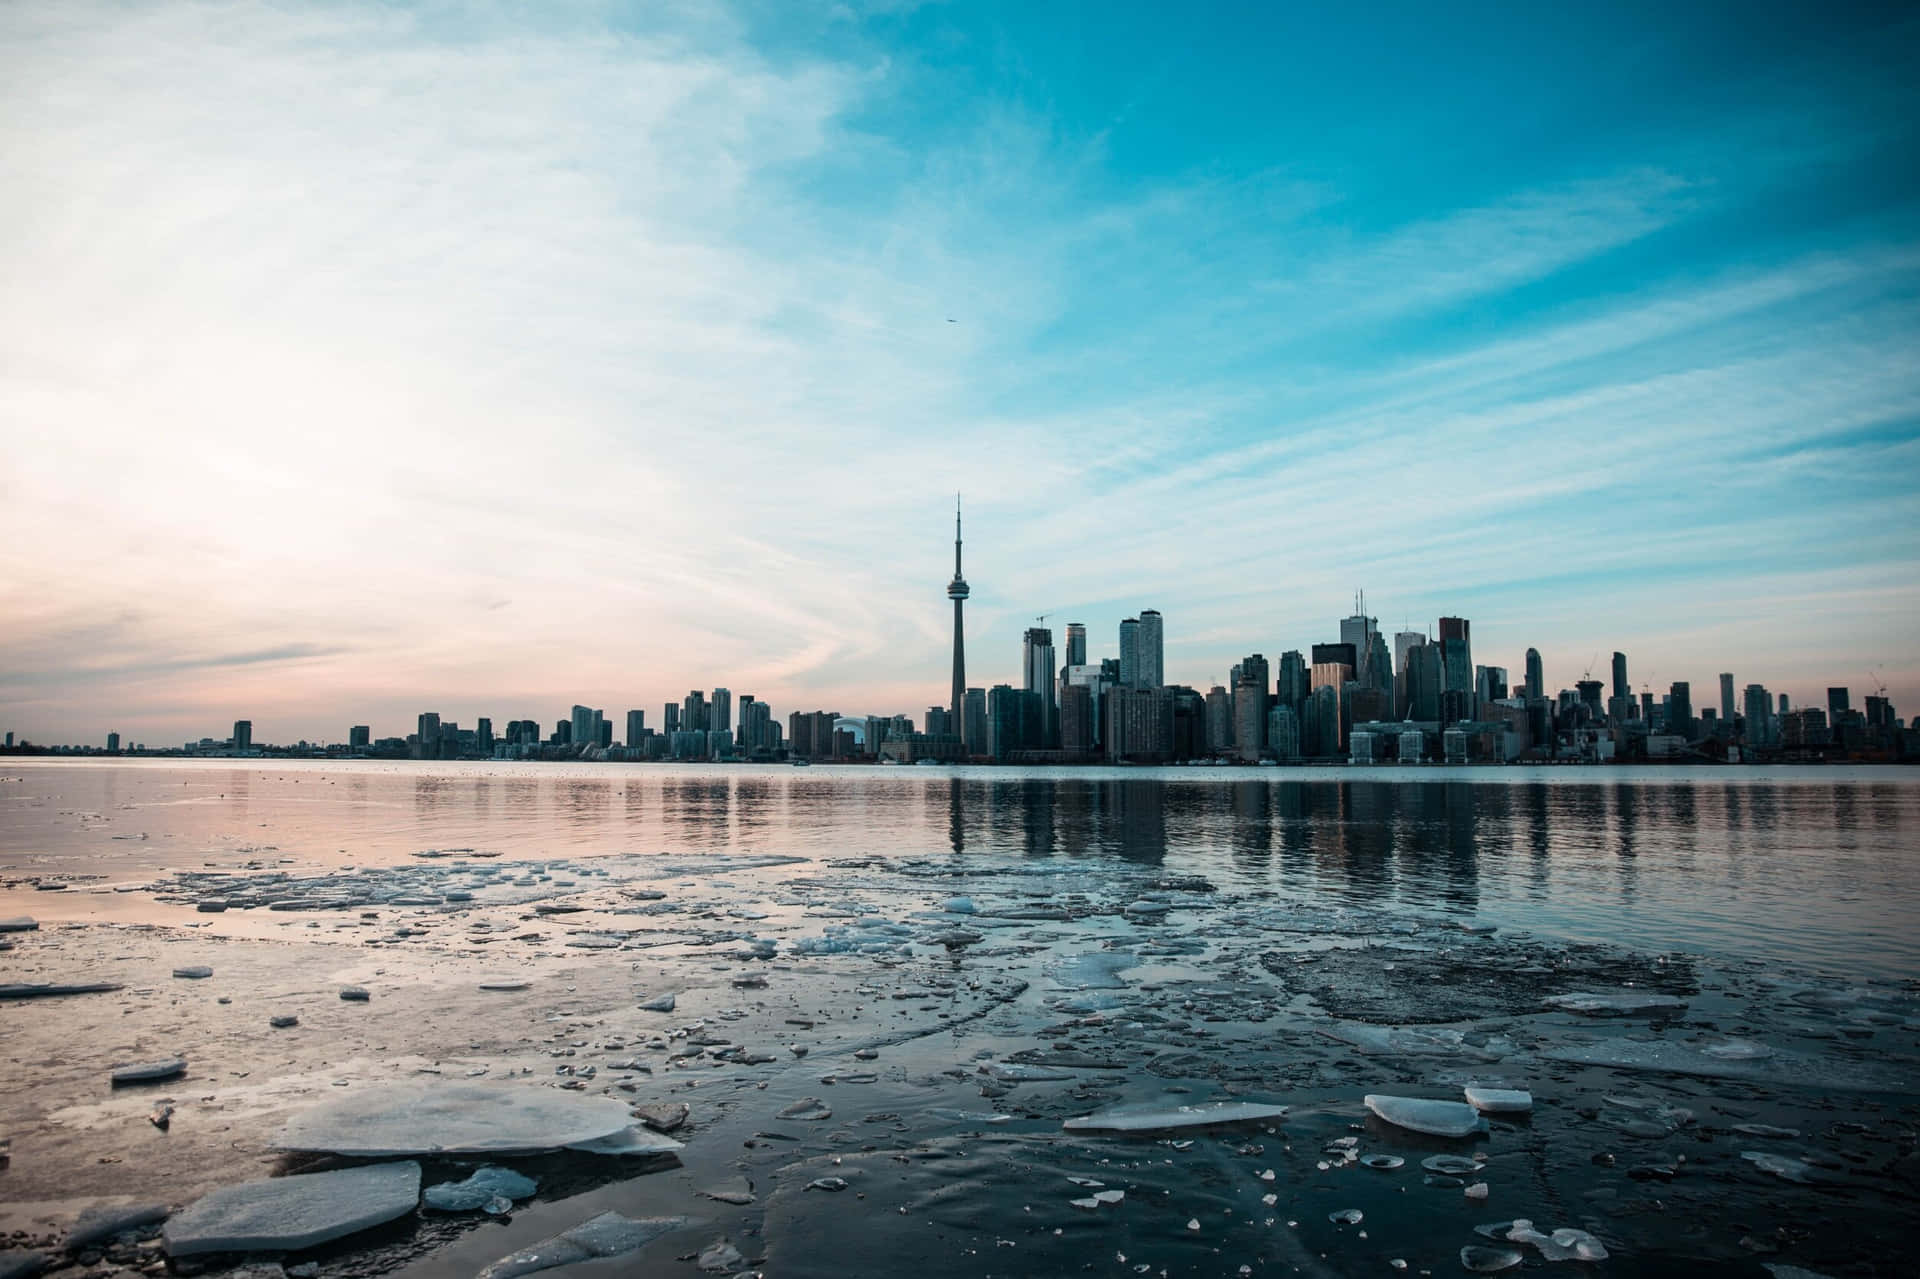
pixel 356 360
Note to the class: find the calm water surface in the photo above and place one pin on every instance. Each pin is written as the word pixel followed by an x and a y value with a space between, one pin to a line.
pixel 1813 867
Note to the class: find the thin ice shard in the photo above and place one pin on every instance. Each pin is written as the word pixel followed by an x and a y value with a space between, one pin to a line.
pixel 1137 1119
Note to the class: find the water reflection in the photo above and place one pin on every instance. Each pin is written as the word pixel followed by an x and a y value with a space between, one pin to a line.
pixel 1814 859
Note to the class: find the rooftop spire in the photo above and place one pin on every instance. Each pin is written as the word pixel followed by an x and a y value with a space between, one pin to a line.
pixel 956 535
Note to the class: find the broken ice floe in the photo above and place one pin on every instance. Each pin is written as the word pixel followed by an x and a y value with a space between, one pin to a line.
pixel 1419 1114
pixel 194 972
pixel 18 924
pixel 1620 1003
pixel 480 1190
pixel 1797 1170
pixel 1418 1041
pixel 607 1235
pixel 1149 1119
pixel 48 990
pixel 1487 1261
pixel 286 1214
pixel 149 1072
pixel 1566 1244
pixel 453 1119
pixel 102 1222
pixel 1659 1056
pixel 1499 1101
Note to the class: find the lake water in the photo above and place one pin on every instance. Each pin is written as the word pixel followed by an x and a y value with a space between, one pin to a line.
pixel 904 1005
pixel 1813 866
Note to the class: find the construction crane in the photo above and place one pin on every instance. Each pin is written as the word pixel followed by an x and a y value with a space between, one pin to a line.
pixel 1878 685
pixel 1588 673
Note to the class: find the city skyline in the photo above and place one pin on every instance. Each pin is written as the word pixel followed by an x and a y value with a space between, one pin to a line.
pixel 1595 328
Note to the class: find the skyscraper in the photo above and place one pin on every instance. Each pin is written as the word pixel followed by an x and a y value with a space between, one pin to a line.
pixel 1076 644
pixel 1680 709
pixel 1292 685
pixel 582 727
pixel 1404 642
pixel 1130 652
pixel 1456 655
pixel 957 591
pixel 1038 678
pixel 1152 650
pixel 428 728
pixel 1537 674
pixel 974 721
pixel 1359 631
pixel 360 736
pixel 636 727
pixel 1726 699
pixel 1620 688
pixel 1837 701
pixel 722 713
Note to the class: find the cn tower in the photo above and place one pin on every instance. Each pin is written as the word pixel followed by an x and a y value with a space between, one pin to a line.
pixel 957 592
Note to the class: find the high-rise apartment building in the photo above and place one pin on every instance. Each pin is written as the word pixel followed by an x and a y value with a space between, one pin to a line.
pixel 1759 729
pixel 1076 644
pixel 243 734
pixel 1536 676
pixel 1726 699
pixel 636 727
pixel 360 737
pixel 582 727
pixel 1076 717
pixel 1152 650
pixel 722 712
pixel 1219 721
pixel 695 714
pixel 1250 709
pixel 1424 684
pixel 1837 701
pixel 1620 688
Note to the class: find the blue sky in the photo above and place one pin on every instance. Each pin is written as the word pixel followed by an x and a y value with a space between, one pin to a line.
pixel 358 360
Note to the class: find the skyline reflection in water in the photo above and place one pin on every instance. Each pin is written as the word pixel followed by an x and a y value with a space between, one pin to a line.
pixel 1809 866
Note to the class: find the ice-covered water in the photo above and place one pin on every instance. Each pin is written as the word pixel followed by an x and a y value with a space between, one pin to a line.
pixel 875 1007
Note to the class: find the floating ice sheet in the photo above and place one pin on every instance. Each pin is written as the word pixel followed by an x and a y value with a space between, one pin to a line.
pixel 1617 1003
pixel 1149 1119
pixel 607 1235
pixel 286 1214
pixel 485 1185
pixel 453 1119
pixel 1677 1059
pixel 1419 1114
pixel 1499 1101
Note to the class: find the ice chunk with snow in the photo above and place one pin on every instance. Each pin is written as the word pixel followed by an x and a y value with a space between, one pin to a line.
pixel 286 1214
pixel 478 1190
pixel 658 1004
pixel 102 1222
pixel 721 1258
pixel 1499 1101
pixel 607 1235
pixel 193 972
pixel 417 1118
pixel 637 1140
pixel 958 906
pixel 1618 1003
pixel 807 1108
pixel 1149 1119
pixel 18 924
pixel 149 1072
pixel 1419 1114
pixel 47 990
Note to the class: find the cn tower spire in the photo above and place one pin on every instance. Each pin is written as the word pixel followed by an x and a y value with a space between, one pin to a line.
pixel 957 591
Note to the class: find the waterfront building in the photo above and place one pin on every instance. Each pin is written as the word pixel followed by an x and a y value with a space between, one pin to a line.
pixel 939 724
pixel 670 719
pixel 1250 709
pixel 1152 642
pixel 1037 672
pixel 1096 679
pixel 1536 675
pixel 1076 717
pixel 243 735
pixel 1358 632
pixel 580 727
pixel 1219 721
pixel 1726 699
pixel 1294 681
pixel 360 737
pixel 1076 644
pixel 1680 710
pixel 696 716
pixel 721 713
pixel 1837 702
pixel 974 722
pixel 1456 656
pixel 1130 652
pixel 1283 733
pixel 1423 679
pixel 1320 724
pixel 1413 746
